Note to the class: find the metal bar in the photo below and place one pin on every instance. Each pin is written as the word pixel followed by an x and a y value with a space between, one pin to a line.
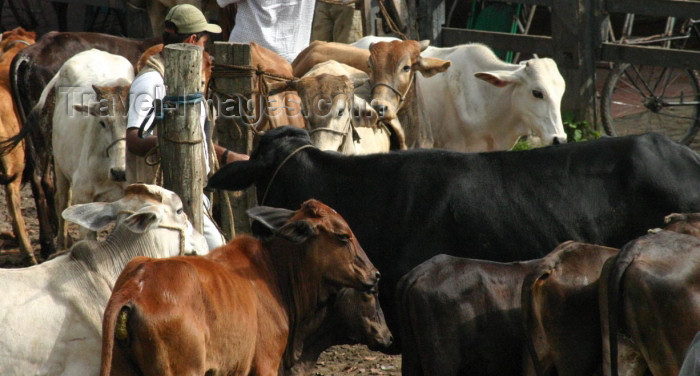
pixel 650 56
pixel 500 41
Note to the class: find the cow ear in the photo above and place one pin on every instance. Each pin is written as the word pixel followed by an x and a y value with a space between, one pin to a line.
pixel 296 232
pixel 430 66
pixel 267 220
pixel 236 176
pixel 497 78
pixel 93 109
pixel 93 216
pixel 424 44
pixel 144 220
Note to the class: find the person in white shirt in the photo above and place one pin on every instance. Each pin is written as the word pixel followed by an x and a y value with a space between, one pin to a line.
pixel 280 26
pixel 183 24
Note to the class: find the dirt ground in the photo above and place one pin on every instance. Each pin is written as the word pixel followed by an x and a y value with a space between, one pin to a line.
pixel 338 360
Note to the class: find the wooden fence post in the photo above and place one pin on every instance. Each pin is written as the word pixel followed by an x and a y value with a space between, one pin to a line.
pixel 232 88
pixel 574 43
pixel 180 135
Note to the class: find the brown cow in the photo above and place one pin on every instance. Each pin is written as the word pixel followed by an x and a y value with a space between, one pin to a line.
pixel 354 317
pixel 391 67
pixel 281 108
pixel 235 310
pixel 30 72
pixel 461 316
pixel 12 164
pixel 649 301
pixel 320 51
pixel 560 310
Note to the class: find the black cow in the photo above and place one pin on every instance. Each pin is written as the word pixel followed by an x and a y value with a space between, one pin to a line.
pixel 406 207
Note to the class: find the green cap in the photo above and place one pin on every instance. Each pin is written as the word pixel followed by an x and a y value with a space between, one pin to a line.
pixel 190 20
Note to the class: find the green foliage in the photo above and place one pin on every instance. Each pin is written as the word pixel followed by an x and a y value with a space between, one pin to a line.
pixel 522 144
pixel 577 131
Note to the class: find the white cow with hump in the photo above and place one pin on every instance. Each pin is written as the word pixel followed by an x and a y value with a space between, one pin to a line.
pixel 51 321
pixel 484 104
pixel 89 128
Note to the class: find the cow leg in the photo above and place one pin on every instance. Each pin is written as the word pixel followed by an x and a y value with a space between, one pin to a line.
pixel 62 200
pixel 14 201
pixel 36 167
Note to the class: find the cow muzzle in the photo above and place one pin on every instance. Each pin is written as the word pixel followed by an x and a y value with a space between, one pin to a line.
pixel 117 174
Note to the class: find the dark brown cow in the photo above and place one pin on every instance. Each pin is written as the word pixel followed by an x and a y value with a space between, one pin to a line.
pixel 30 71
pixel 461 316
pixel 235 310
pixel 12 164
pixel 649 302
pixel 354 317
pixel 560 310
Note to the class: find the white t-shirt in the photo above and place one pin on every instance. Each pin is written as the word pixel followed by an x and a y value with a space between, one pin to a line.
pixel 281 26
pixel 146 88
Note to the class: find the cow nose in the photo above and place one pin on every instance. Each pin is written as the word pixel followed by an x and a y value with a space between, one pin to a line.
pixel 556 141
pixel 377 276
pixel 118 175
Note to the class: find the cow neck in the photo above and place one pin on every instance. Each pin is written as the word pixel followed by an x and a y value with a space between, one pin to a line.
pixel 409 117
pixel 121 246
pixel 302 292
pixel 279 167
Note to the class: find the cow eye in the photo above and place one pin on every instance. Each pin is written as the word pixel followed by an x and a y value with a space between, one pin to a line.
pixel 341 112
pixel 102 124
pixel 180 211
pixel 343 238
pixel 537 94
pixel 406 68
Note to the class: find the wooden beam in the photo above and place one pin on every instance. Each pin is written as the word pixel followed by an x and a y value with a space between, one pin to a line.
pixel 498 41
pixel 674 8
pixel 650 56
pixel 365 7
pixel 180 135
pixel 229 134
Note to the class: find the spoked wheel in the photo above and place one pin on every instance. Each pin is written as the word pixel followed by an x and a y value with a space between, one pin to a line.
pixel 638 99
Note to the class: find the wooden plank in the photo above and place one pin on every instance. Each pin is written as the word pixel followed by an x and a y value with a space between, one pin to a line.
pixel 650 56
pixel 662 8
pixel 498 41
pixel 230 135
pixel 180 135
pixel 432 17
pixel 365 7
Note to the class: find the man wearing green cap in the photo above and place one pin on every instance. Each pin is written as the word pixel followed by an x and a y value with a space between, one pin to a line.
pixel 183 24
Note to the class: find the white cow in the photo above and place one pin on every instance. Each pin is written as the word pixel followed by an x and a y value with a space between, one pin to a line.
pixel 51 320
pixel 350 132
pixel 483 104
pixel 89 128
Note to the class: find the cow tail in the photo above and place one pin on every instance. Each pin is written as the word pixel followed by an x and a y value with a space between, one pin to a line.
pixel 19 64
pixel 617 271
pixel 8 144
pixel 527 305
pixel 114 329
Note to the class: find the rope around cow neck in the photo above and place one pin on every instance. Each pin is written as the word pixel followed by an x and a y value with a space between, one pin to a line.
pixel 280 167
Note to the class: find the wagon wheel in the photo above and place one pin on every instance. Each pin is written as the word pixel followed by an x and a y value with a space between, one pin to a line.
pixel 22 10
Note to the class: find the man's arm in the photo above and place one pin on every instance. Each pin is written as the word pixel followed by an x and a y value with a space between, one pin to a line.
pixel 137 145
